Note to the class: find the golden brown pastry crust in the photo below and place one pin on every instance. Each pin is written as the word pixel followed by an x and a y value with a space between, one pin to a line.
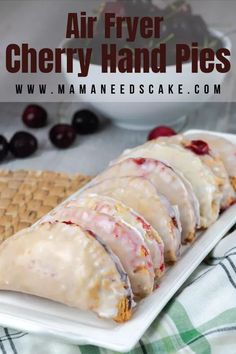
pixel 124 311
pixel 233 182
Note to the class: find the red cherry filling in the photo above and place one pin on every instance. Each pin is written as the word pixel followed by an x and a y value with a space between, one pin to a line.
pixel 68 222
pixel 144 224
pixel 199 147
pixel 175 222
pixel 161 131
pixel 139 161
pixel 162 267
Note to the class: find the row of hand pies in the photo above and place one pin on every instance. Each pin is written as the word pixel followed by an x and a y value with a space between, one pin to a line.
pixel 108 245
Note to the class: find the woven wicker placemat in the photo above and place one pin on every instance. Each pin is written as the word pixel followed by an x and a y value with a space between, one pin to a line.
pixel 25 196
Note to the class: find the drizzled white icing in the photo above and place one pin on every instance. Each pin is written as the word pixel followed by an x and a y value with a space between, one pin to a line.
pixel 129 217
pixel 124 241
pixel 141 195
pixel 215 164
pixel 167 182
pixel 63 263
pixel 199 175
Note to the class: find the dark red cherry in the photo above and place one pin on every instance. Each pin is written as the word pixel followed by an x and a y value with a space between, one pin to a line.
pixel 35 116
pixel 62 135
pixel 199 147
pixel 23 144
pixel 161 131
pixel 3 147
pixel 85 122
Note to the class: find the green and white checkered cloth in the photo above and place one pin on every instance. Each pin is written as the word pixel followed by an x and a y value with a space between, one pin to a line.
pixel 200 319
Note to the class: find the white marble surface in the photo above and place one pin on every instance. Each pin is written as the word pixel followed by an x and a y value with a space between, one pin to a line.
pixel 91 154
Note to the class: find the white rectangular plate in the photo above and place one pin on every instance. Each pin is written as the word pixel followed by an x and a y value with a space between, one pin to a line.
pixel 37 315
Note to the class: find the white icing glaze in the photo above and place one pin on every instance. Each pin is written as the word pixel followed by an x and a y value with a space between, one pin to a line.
pixel 125 242
pixel 129 217
pixel 199 175
pixel 167 182
pixel 141 195
pixel 215 164
pixel 63 263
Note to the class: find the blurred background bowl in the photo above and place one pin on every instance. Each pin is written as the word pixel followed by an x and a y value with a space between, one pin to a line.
pixel 152 111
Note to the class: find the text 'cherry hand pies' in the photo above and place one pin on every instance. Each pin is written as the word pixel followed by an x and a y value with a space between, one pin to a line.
pixel 204 183
pixel 124 214
pixel 167 182
pixel 211 159
pixel 125 242
pixel 66 264
pixel 141 195
pixel 225 149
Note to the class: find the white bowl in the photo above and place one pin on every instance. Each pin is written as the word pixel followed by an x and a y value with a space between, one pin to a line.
pixel 146 111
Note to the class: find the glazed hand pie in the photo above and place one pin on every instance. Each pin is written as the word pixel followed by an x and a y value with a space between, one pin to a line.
pixel 210 158
pixel 167 182
pixel 203 181
pixel 125 215
pixel 66 264
pixel 141 195
pixel 125 242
